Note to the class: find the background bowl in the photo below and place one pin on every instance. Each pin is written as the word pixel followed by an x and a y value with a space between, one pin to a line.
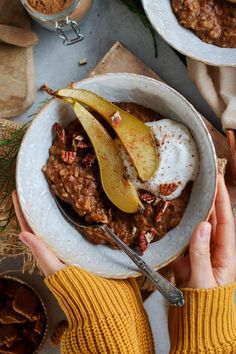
pixel 39 206
pixel 22 282
pixel 163 19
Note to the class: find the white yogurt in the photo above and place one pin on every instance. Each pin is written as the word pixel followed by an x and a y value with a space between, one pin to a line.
pixel 178 158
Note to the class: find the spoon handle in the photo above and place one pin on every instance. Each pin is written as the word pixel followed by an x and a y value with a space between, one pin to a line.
pixel 173 295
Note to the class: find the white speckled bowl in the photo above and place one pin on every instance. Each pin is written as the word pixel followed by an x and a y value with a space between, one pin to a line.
pixel 182 39
pixel 39 206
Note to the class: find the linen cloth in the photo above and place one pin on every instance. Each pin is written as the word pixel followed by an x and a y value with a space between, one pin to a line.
pixel 218 87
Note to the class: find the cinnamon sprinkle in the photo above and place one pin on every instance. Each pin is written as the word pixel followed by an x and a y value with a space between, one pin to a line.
pixel 49 7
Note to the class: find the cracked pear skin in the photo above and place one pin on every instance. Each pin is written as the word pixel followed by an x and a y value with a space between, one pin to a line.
pixel 135 136
pixel 120 191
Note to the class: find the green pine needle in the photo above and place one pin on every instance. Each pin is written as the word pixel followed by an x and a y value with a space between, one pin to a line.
pixel 9 149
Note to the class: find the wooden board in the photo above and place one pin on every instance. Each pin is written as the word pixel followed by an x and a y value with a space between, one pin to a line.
pixel 17 90
pixel 120 59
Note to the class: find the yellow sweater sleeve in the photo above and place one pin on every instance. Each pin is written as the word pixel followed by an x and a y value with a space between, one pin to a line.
pixel 107 316
pixel 206 324
pixel 104 315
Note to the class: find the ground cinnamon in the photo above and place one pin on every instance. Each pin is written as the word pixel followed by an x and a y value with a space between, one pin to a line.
pixel 49 7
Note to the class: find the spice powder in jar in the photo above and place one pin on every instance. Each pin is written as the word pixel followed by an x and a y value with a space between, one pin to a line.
pixel 59 15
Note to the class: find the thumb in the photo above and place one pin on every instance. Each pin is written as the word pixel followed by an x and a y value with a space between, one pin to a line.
pixel 46 260
pixel 200 258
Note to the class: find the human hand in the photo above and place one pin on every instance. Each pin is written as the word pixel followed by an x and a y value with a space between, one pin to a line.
pixel 211 260
pixel 47 261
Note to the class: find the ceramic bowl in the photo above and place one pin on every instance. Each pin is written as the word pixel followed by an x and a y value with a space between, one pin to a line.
pixel 39 206
pixel 22 282
pixel 164 21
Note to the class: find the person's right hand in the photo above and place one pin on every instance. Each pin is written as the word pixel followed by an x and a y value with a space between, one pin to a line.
pixel 211 260
pixel 45 258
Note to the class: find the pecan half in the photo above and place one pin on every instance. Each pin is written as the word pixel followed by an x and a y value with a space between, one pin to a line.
pixel 161 208
pixel 60 132
pixel 168 188
pixel 142 242
pixel 115 118
pixel 147 197
pixel 145 238
pixel 79 143
pixel 68 157
pixel 89 159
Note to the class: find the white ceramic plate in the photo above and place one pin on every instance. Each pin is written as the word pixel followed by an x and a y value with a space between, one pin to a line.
pixel 39 206
pixel 182 39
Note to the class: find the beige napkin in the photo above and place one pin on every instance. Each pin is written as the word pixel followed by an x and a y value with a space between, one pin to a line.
pixel 218 87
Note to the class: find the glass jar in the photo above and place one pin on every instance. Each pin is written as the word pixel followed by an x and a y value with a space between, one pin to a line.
pixel 63 21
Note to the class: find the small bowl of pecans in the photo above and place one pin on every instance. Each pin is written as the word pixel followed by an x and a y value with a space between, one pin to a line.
pixel 23 317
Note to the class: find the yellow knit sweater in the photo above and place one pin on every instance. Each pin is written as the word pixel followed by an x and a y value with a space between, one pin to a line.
pixel 107 316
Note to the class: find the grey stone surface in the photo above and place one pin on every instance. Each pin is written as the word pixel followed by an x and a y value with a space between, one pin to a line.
pixel 107 22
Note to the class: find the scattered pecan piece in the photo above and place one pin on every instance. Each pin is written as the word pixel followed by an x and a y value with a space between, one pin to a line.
pixel 89 159
pixel 145 238
pixel 83 145
pixel 115 118
pixel 60 132
pixel 161 208
pixel 47 89
pixel 147 197
pixel 68 157
pixel 79 143
pixel 142 242
pixel 168 188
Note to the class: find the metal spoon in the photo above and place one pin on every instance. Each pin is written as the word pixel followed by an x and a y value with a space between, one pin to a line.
pixel 173 295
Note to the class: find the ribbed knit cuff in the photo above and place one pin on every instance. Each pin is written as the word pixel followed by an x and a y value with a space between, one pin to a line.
pixel 104 315
pixel 82 295
pixel 206 323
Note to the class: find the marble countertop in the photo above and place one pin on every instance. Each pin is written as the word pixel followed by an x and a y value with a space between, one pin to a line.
pixel 57 65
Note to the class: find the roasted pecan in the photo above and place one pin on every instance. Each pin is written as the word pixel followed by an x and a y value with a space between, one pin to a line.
pixel 89 159
pixel 79 143
pixel 145 238
pixel 161 208
pixel 115 118
pixel 168 188
pixel 147 197
pixel 60 132
pixel 142 242
pixel 83 145
pixel 68 157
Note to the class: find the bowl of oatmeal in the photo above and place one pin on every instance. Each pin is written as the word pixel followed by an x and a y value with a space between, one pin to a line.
pixel 202 30
pixel 178 196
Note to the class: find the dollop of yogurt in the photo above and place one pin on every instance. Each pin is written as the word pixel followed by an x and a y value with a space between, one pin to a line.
pixel 178 159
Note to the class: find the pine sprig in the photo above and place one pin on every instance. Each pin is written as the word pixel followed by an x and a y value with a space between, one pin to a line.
pixel 9 148
pixel 136 7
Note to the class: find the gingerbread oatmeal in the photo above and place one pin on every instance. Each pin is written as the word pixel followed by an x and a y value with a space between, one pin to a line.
pixel 214 21
pixel 73 173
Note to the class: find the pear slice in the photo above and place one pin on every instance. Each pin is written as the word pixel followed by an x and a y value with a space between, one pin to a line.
pixel 136 137
pixel 119 190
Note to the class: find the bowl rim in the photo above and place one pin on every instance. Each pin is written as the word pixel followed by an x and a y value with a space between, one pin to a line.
pixel 136 273
pixel 180 50
pixel 27 284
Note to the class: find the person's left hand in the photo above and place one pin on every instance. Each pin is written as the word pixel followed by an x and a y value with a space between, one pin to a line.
pixel 47 261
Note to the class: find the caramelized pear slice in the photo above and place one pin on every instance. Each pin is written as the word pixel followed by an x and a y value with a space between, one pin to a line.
pixel 136 137
pixel 119 190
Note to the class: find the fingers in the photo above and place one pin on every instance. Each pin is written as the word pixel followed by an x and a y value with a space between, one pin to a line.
pixel 46 260
pixel 225 237
pixel 213 222
pixel 200 258
pixel 23 223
